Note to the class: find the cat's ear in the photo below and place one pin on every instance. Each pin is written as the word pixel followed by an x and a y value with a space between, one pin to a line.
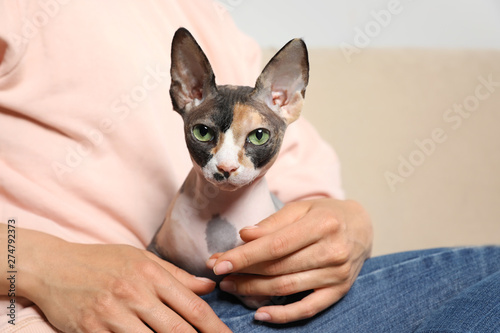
pixel 192 78
pixel 282 84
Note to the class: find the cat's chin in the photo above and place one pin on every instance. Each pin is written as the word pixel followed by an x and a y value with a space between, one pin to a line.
pixel 227 186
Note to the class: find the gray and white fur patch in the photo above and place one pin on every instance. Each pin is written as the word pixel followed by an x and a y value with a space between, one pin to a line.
pixel 220 235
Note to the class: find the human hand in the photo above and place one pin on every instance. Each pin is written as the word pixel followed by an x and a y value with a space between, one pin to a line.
pixel 113 288
pixel 317 244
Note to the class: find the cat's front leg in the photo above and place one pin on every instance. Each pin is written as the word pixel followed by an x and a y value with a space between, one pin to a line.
pixel 181 239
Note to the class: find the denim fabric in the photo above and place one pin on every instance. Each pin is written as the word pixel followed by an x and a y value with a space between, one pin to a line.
pixel 438 290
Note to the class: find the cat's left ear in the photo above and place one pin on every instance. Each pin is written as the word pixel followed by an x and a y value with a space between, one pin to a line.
pixel 192 77
pixel 282 84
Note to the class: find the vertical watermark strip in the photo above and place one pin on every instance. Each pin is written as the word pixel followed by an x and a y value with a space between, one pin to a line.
pixel 11 270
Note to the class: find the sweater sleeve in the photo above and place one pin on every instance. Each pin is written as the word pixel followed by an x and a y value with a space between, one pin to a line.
pixel 307 166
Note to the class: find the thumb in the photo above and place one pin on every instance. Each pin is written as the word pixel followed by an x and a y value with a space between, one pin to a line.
pixel 198 285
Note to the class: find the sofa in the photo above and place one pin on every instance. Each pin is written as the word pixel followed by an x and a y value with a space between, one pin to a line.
pixel 418 135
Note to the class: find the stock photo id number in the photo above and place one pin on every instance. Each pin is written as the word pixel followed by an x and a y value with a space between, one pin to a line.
pixel 12 271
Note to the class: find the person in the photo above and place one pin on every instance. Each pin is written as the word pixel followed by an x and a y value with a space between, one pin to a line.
pixel 91 155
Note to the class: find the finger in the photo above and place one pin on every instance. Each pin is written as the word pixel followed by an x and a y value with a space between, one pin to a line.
pixel 192 308
pixel 314 256
pixel 120 318
pixel 162 319
pixel 133 324
pixel 290 213
pixel 308 307
pixel 199 285
pixel 216 255
pixel 210 263
pixel 284 285
pixel 273 246
pixel 269 247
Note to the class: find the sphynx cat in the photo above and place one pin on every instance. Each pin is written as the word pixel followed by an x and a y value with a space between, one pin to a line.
pixel 233 134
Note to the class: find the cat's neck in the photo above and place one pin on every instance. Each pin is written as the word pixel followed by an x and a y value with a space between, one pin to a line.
pixel 208 197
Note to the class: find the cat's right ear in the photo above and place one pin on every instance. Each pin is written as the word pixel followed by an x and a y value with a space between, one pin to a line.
pixel 192 78
pixel 282 84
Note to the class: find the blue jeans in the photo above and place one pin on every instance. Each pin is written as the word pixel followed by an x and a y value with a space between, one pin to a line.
pixel 438 290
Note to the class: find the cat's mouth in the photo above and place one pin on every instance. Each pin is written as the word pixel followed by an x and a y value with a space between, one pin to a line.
pixel 223 182
pixel 221 176
pixel 227 181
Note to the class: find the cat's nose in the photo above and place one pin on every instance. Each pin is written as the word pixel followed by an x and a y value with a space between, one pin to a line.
pixel 227 169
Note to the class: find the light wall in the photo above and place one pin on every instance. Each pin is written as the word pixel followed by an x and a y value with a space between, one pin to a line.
pixel 329 23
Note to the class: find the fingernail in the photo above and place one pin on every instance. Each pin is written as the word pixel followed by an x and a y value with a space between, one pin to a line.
pixel 205 280
pixel 250 227
pixel 228 286
pixel 211 263
pixel 223 268
pixel 262 316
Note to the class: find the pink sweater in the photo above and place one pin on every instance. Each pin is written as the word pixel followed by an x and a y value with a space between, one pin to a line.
pixel 90 149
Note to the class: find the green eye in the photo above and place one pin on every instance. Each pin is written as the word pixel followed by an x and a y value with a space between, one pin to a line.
pixel 259 136
pixel 203 133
